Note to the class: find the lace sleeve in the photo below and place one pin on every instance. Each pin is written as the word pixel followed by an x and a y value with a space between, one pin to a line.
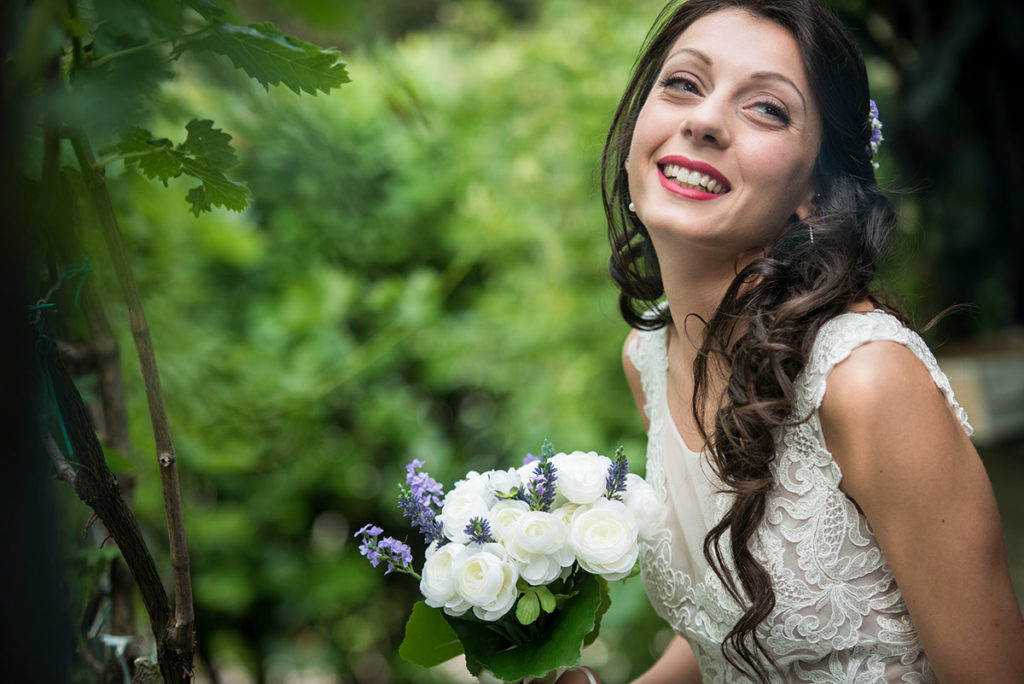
pixel 839 337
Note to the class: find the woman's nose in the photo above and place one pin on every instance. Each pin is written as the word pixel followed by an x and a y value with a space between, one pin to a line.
pixel 705 124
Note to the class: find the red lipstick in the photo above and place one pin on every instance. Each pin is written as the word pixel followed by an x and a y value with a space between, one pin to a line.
pixel 697 166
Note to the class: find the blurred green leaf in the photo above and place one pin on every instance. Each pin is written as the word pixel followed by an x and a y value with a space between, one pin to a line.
pixel 272 58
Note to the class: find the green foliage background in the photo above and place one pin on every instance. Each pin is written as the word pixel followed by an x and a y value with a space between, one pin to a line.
pixel 421 273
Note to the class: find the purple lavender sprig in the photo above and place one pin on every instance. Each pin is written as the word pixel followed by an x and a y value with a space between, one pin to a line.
pixel 479 531
pixel 615 484
pixel 540 492
pixel 876 130
pixel 420 501
pixel 389 550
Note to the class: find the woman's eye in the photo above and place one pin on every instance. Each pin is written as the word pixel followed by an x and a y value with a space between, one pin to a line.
pixel 680 83
pixel 773 110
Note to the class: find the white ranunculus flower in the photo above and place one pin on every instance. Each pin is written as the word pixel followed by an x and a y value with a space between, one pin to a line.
pixel 582 476
pixel 540 545
pixel 643 502
pixel 437 583
pixel 604 537
pixel 470 498
pixel 503 482
pixel 567 512
pixel 486 578
pixel 474 482
pixel 504 516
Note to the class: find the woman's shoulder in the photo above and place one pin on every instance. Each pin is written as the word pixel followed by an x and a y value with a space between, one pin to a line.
pixel 878 377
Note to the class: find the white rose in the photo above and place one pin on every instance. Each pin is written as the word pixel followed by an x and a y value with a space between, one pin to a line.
pixel 469 499
pixel 643 502
pixel 486 578
pixel 503 482
pixel 504 516
pixel 604 538
pixel 437 583
pixel 582 476
pixel 540 544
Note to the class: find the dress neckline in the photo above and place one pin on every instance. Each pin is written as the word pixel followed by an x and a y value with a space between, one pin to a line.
pixel 668 410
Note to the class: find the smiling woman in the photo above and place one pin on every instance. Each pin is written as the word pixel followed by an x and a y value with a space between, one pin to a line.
pixel 720 129
pixel 830 519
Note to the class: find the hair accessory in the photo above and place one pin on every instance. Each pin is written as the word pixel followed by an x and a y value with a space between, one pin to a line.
pixel 632 207
pixel 876 131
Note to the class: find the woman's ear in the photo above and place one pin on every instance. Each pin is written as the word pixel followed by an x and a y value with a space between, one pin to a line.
pixel 806 206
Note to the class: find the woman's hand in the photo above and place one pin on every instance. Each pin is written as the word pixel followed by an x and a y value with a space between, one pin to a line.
pixel 579 675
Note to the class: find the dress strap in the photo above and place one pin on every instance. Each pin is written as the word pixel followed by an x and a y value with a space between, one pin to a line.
pixel 647 351
pixel 840 336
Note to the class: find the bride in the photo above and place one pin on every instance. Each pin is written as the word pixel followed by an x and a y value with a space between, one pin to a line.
pixel 829 518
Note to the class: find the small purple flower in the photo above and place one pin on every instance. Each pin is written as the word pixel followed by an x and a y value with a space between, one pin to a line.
pixel 370 530
pixel 396 554
pixel 540 492
pixel 876 130
pixel 615 484
pixel 420 501
pixel 479 531
pixel 530 458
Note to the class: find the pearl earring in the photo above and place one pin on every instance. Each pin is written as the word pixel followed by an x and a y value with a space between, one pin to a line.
pixel 632 207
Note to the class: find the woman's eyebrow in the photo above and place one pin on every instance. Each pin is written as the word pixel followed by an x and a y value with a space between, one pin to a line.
pixel 691 51
pixel 775 76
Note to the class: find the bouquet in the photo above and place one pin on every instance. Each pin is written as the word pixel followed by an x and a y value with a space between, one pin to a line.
pixel 518 561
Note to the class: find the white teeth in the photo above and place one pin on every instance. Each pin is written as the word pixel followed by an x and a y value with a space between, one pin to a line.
pixel 696 179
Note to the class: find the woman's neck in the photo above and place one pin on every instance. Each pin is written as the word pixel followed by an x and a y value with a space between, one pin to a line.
pixel 695 282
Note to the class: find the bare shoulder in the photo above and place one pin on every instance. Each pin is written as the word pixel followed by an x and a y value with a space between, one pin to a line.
pixel 882 396
pixel 633 375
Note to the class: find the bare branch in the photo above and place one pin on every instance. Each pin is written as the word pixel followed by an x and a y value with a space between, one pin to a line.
pixel 64 469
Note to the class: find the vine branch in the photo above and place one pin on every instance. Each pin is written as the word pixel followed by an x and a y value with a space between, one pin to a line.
pixel 181 632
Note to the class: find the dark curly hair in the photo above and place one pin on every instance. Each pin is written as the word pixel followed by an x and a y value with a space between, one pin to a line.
pixel 763 329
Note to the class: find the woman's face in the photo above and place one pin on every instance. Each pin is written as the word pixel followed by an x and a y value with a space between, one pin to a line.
pixel 724 146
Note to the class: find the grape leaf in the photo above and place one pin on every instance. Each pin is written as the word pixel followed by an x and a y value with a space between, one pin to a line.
pixel 205 155
pixel 429 641
pixel 216 188
pixel 154 156
pixel 272 58
pixel 212 143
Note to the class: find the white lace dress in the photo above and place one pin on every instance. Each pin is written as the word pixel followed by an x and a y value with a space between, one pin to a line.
pixel 839 616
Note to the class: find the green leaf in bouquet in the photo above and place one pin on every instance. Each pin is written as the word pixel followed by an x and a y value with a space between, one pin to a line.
pixel 528 608
pixel 548 603
pixel 606 602
pixel 429 640
pixel 272 58
pixel 557 645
